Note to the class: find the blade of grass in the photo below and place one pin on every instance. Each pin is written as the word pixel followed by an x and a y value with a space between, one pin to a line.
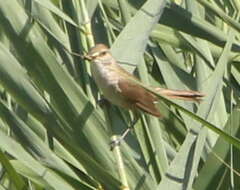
pixel 185 164
pixel 221 14
pixel 50 6
pixel 194 26
pixel 137 31
pixel 212 172
pixel 14 176
pixel 155 132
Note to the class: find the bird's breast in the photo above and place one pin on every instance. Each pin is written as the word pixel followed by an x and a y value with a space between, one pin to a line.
pixel 107 80
pixel 104 75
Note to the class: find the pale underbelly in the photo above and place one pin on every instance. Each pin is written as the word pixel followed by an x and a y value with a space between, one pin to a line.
pixel 107 82
pixel 111 94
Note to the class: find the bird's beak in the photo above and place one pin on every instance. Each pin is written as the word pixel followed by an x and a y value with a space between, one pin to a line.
pixel 87 57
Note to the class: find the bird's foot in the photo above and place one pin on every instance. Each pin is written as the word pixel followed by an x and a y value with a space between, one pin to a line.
pixel 114 143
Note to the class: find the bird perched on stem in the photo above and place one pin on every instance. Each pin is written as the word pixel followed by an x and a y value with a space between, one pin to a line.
pixel 118 86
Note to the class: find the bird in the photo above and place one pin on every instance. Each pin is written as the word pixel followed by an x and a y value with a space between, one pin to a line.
pixel 119 88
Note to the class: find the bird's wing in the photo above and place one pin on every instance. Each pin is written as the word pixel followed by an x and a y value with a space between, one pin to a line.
pixel 138 97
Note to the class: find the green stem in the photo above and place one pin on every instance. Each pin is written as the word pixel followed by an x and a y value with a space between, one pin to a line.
pixel 120 164
pixel 87 42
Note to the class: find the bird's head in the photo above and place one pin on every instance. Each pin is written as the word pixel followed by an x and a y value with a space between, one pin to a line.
pixel 99 54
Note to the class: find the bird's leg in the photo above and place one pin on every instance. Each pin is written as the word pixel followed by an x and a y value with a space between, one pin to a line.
pixel 117 142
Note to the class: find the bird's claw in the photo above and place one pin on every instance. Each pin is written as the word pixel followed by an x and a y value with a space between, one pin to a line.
pixel 115 143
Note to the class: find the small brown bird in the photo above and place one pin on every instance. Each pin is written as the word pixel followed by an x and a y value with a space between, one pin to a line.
pixel 116 86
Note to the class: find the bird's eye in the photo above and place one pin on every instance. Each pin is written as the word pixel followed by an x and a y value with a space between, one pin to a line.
pixel 103 53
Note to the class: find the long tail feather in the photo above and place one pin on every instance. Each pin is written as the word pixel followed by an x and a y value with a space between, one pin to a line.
pixel 181 94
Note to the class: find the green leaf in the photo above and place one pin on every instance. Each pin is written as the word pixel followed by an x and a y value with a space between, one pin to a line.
pixel 50 6
pixel 137 31
pixel 211 175
pixel 17 180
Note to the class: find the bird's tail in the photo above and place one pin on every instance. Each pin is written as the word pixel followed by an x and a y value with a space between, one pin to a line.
pixel 181 94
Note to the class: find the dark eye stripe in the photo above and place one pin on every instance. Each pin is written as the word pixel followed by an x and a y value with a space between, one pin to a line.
pixel 103 53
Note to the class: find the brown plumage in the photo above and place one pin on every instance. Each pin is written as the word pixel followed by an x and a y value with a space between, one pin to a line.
pixel 187 95
pixel 143 100
pixel 117 87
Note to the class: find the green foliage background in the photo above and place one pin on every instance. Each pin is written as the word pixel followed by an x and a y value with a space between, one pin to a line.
pixel 53 134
